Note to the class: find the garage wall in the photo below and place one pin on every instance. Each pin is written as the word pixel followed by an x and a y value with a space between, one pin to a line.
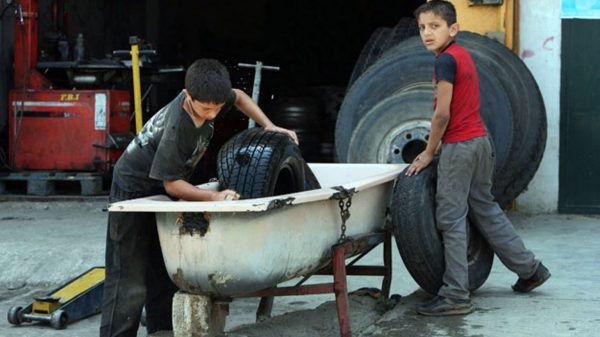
pixel 540 43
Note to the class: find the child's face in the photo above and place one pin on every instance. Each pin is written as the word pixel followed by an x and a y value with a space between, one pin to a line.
pixel 435 32
pixel 205 110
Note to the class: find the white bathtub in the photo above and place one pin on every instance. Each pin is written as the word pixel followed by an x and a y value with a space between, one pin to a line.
pixel 247 245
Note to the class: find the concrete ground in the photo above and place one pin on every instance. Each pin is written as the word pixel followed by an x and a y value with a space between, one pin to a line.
pixel 46 243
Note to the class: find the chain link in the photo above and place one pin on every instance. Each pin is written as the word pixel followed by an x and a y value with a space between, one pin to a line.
pixel 345 215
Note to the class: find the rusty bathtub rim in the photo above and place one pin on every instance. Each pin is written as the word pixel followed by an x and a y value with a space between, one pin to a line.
pixel 162 203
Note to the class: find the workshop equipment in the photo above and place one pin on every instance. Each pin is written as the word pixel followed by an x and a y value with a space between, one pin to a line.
pixel 254 244
pixel 258 67
pixel 79 298
pixel 83 130
pixel 137 87
pixel 135 54
pixel 52 129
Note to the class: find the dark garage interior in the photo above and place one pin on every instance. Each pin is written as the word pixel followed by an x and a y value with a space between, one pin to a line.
pixel 315 44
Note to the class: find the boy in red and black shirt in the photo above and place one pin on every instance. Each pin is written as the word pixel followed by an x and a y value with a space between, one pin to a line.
pixel 464 170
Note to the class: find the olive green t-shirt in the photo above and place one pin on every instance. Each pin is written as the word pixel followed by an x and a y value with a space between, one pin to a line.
pixel 167 148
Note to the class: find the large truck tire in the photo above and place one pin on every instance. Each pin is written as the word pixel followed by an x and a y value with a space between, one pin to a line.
pixel 519 134
pixel 370 52
pixel 380 41
pixel 404 29
pixel 403 70
pixel 258 163
pixel 397 129
pixel 418 240
pixel 529 113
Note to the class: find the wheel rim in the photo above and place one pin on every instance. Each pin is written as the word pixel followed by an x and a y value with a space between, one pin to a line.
pixel 403 143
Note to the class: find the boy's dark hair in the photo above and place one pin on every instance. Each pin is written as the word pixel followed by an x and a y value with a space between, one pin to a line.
pixel 442 8
pixel 207 80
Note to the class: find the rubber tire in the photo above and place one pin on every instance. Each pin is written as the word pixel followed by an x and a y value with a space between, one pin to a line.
pixel 15 315
pixel 380 41
pixel 373 48
pixel 296 112
pixel 59 319
pixel 399 69
pixel 527 112
pixel 258 163
pixel 404 29
pixel 418 240
pixel 371 135
pixel 301 115
pixel 529 121
pixel 403 69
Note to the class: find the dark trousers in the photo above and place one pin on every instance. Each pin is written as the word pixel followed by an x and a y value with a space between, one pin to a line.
pixel 135 274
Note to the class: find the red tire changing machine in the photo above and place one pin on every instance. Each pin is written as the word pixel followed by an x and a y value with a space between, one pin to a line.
pixel 59 130
pixel 52 131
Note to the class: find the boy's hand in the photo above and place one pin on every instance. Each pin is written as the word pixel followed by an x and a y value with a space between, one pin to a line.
pixel 290 133
pixel 225 195
pixel 421 162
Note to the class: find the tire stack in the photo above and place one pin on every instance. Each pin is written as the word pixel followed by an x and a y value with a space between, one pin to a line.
pixel 386 113
pixel 330 100
pixel 382 39
pixel 302 115
pixel 386 118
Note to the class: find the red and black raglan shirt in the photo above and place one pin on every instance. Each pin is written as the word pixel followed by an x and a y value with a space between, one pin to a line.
pixel 456 66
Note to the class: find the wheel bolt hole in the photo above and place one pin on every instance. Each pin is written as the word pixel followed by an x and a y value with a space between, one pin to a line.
pixel 396 151
pixel 412 149
pixel 408 136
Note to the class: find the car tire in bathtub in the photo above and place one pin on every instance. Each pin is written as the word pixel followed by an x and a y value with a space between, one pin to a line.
pixel 258 163
pixel 418 240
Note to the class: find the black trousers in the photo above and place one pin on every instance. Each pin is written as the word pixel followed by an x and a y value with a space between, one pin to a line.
pixel 135 274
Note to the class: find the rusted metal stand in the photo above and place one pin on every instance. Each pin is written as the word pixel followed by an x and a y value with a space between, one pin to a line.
pixel 339 270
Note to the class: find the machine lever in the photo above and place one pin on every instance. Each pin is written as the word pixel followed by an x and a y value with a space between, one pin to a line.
pixel 258 68
pixel 151 52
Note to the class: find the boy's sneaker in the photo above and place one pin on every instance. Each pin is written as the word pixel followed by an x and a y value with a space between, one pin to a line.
pixel 539 277
pixel 443 306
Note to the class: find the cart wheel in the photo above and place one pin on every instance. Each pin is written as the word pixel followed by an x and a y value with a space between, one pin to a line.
pixel 59 319
pixel 15 315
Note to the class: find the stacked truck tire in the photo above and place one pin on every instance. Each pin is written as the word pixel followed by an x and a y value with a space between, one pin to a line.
pixel 385 118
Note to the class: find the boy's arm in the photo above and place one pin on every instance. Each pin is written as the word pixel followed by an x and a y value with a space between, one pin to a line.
pixel 252 110
pixel 439 122
pixel 183 190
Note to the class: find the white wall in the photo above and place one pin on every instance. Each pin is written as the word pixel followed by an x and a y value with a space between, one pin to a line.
pixel 540 44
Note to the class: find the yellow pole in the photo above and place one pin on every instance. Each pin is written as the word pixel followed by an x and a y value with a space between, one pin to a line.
pixel 137 88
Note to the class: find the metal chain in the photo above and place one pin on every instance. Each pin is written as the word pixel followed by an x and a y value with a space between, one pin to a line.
pixel 344 214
